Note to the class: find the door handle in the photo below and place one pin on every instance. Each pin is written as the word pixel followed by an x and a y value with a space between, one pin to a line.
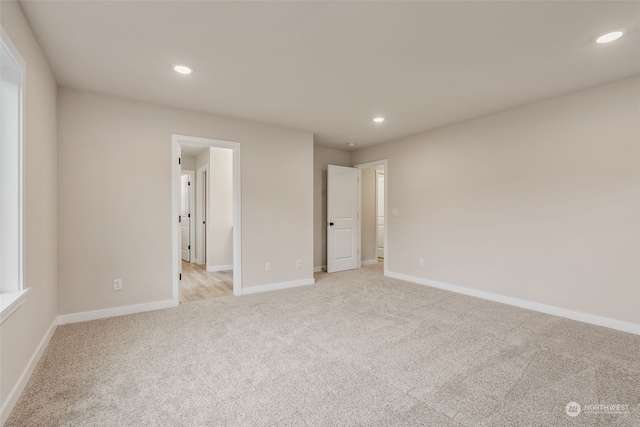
pixel 331 224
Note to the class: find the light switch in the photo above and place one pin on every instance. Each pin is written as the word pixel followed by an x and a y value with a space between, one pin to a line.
pixel 394 212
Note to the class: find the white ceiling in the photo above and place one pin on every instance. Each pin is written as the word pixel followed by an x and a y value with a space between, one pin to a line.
pixel 330 67
pixel 190 150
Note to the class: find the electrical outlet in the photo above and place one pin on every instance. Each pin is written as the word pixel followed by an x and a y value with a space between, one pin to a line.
pixel 421 262
pixel 117 285
pixel 299 263
pixel 268 266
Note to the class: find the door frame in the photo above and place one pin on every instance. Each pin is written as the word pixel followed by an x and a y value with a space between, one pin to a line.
pixel 192 214
pixel 377 174
pixel 176 142
pixel 202 214
pixel 384 163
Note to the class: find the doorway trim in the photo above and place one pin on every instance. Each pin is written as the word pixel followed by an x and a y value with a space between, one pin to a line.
pixel 202 214
pixel 384 163
pixel 377 188
pixel 176 141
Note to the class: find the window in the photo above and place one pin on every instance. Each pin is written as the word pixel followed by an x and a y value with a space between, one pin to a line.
pixel 11 122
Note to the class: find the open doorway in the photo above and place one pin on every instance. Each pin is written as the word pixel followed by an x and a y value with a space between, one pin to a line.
pixel 373 214
pixel 207 206
pixel 206 222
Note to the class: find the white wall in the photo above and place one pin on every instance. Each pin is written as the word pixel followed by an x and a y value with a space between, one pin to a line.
pixel 203 159
pixel 322 157
pixel 220 229
pixel 540 203
pixel 188 163
pixel 23 332
pixel 118 225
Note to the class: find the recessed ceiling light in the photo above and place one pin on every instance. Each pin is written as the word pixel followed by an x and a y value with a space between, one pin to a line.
pixel 351 144
pixel 182 69
pixel 379 119
pixel 610 36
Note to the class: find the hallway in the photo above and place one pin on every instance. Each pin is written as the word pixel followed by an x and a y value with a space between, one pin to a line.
pixel 199 284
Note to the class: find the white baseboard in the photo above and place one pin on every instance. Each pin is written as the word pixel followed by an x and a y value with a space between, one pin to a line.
pixel 115 311
pixel 277 286
pixel 14 395
pixel 214 268
pixel 320 269
pixel 607 322
pixel 370 262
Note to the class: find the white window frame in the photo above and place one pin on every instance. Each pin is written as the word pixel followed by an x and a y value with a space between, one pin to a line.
pixel 13 295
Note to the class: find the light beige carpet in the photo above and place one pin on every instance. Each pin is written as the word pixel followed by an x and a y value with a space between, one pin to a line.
pixel 354 349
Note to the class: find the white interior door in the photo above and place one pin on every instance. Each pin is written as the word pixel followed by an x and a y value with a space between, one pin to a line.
pixel 185 215
pixel 343 190
pixel 380 214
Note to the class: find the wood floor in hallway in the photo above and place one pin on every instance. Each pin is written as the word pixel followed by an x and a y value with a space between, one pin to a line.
pixel 199 284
